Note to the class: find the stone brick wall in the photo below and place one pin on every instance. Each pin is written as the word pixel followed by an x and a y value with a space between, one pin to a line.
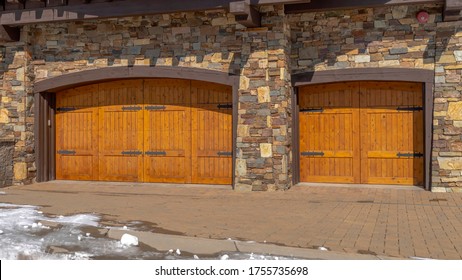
pixel 391 37
pixel 16 109
pixel 263 58
pixel 209 40
pixel 447 133
pixel 264 125
pixel 374 37
pixel 6 163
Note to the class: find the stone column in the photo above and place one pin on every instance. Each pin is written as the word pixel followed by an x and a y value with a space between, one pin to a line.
pixel 264 122
pixel 16 109
pixel 447 133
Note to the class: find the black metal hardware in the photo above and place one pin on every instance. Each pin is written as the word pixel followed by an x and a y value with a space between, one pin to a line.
pixel 413 155
pixel 66 109
pixel 411 109
pixel 132 153
pixel 312 110
pixel 225 106
pixel 132 108
pixel 313 154
pixel 66 152
pixel 155 108
pixel 225 153
pixel 157 153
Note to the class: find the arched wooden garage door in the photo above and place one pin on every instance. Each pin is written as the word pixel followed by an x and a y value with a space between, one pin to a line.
pixel 362 132
pixel 159 130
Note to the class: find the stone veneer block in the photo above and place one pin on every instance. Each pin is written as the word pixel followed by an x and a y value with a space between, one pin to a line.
pixel 455 111
pixel 266 150
pixel 450 163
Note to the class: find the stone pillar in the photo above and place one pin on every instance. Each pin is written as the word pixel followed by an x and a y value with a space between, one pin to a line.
pixel 447 133
pixel 16 110
pixel 264 122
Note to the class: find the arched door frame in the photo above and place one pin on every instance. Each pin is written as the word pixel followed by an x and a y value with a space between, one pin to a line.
pixel 44 102
pixel 426 77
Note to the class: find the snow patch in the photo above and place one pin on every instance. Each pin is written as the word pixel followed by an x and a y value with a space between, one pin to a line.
pixel 178 252
pixel 2 193
pixel 224 257
pixel 129 240
pixel 323 249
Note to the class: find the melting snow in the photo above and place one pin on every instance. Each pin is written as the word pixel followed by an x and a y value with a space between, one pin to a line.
pixel 27 234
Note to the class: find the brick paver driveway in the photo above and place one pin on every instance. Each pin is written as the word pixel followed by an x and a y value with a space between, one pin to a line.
pixel 383 221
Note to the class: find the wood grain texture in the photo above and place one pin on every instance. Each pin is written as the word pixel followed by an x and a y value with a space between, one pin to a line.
pixel 361 133
pixel 334 132
pixel 77 132
pixel 175 128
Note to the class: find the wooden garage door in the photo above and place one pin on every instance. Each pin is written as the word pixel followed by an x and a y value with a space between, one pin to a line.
pixel 160 130
pixel 77 134
pixel 329 128
pixel 362 132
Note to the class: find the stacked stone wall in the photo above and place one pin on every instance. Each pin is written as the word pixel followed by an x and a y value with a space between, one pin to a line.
pixel 391 37
pixel 264 58
pixel 447 132
pixel 6 163
pixel 209 40
pixel 373 37
pixel 16 110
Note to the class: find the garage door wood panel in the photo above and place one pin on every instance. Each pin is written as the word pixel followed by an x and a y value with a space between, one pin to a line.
pixel 392 133
pixel 328 128
pixel 76 134
pixel 376 126
pixel 121 127
pixel 159 130
pixel 212 133
pixel 167 131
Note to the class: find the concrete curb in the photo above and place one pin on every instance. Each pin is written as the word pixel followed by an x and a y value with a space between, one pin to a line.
pixel 204 246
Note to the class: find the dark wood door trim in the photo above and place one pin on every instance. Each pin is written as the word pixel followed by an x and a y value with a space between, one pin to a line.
pixel 45 108
pixel 426 77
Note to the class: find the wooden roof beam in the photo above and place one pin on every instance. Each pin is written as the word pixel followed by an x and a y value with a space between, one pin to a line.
pixel 453 10
pixel 9 34
pixel 320 5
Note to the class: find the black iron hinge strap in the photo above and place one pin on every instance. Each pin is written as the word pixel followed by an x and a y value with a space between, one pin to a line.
pixel 132 153
pixel 132 108
pixel 312 110
pixel 313 154
pixel 412 155
pixel 66 152
pixel 411 109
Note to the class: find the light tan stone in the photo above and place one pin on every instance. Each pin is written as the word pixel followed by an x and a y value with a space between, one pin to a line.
pixel 141 42
pixel 387 63
pixel 450 163
pixel 241 167
pixel 20 171
pixel 20 74
pixel 455 111
pixel 269 121
pixel 263 95
pixel 453 67
pixel 458 55
pixel 447 59
pixel 439 190
pixel 266 150
pixel 4 117
pixel 242 188
pixel 261 54
pixel 244 83
pixel 243 130
pixel 219 21
pixel 457 123
pixel 216 57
